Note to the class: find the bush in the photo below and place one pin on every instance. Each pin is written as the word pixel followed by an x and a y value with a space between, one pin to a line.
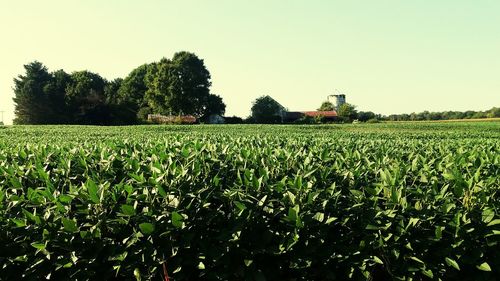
pixel 373 120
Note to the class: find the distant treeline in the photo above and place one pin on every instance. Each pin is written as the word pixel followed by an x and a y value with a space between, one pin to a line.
pixel 177 86
pixel 445 115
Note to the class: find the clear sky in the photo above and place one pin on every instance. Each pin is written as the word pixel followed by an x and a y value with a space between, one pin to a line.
pixel 388 56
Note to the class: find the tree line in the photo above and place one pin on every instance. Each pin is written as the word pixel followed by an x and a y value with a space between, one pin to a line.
pixel 177 86
pixel 349 111
pixel 444 115
pixel 267 110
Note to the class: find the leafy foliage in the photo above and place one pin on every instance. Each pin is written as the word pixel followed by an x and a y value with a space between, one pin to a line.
pixel 31 99
pixel 348 112
pixel 181 86
pixel 326 106
pixel 267 110
pixel 177 86
pixel 378 201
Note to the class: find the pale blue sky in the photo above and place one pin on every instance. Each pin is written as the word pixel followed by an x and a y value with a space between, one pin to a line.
pixel 387 56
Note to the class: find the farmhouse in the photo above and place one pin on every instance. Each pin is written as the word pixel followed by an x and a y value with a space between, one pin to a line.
pixel 330 115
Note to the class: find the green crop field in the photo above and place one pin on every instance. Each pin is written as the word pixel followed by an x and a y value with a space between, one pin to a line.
pixel 388 201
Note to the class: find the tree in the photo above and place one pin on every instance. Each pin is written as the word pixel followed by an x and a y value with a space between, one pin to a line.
pixel 364 116
pixel 177 86
pixel 111 89
pixel 86 99
pixel 118 115
pixel 56 92
pixel 326 106
pixel 266 110
pixel 494 112
pixel 180 86
pixel 31 101
pixel 131 98
pixel 215 105
pixel 347 112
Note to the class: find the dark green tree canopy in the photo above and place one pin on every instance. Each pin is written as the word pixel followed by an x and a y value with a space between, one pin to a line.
pixel 180 85
pixel 85 85
pixel 133 88
pixel 326 106
pixel 348 112
pixel 214 105
pixel 131 95
pixel 85 97
pixel 31 100
pixel 111 91
pixel 364 116
pixel 56 93
pixel 267 110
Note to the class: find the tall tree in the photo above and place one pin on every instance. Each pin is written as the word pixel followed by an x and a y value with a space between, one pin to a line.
pixel 180 86
pixel 131 94
pixel 326 106
pixel 86 99
pixel 267 110
pixel 56 93
pixel 215 105
pixel 31 101
pixel 117 113
pixel 177 86
pixel 348 112
pixel 111 91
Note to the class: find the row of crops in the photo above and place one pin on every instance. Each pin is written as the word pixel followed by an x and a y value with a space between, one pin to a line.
pixel 414 201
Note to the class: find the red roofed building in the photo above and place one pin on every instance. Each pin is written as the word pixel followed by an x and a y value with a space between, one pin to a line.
pixel 326 114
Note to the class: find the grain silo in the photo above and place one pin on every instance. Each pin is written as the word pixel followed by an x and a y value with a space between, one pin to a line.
pixel 339 100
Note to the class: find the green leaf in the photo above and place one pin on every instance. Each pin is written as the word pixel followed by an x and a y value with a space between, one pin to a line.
pixel 452 263
pixel 377 260
pixel 484 267
pixel 92 190
pixel 293 214
pixel 38 245
pixel 137 274
pixel 488 215
pixel 319 216
pixel 439 232
pixel 69 225
pixel 417 259
pixel 31 216
pixel 162 192
pixel 63 198
pixel 412 222
pixel 240 205
pixel 201 265
pixel 330 220
pixel 18 222
pixel 494 222
pixel 177 220
pixel 146 227
pixel 428 273
pixel 15 182
pixel 128 210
